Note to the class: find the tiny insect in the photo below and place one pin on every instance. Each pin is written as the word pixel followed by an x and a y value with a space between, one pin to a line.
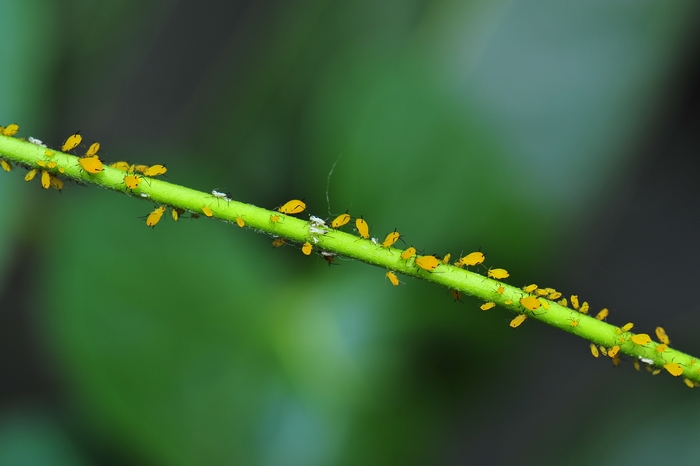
pixel 30 174
pixel 72 142
pixel 392 278
pixel 240 222
pixel 602 314
pixel 603 350
pixel 408 253
pixel 52 164
pixel 662 336
pixel 294 206
pixel 641 339
pixel 594 350
pixel 500 290
pixel 275 218
pixel 154 217
pixel 10 130
pixel 48 153
pixel 656 372
pixel 207 211
pixel 519 319
pixel 574 301
pixel 41 163
pixel 5 165
pixel 446 259
pixel 545 303
pixel 123 166
pixel 91 164
pixel 220 195
pixel 661 348
pixel 584 308
pixel 474 258
pixel 689 383
pixel 93 149
pixel 132 181
pixel 36 141
pixel 574 322
pixel 138 168
pixel 176 213
pixel 277 242
pixel 362 227
pixel 456 294
pixel 627 327
pixel 541 292
pixel 563 302
pixel 155 170
pixel 316 231
pixel 487 306
pixel 328 257
pixel 554 295
pixel 428 263
pixel 340 220
pixel 674 368
pixel 636 365
pixel 508 302
pixel 616 360
pixel 45 179
pixel 612 352
pixel 390 239
pixel 498 274
pixel 529 288
pixel 56 183
pixel 530 303
pixel 306 248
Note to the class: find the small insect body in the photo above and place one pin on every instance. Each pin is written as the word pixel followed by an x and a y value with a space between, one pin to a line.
pixel 340 220
pixel 362 227
pixel 294 206
pixel 36 141
pixel 72 142
pixel 498 274
pixel 393 278
pixel 428 263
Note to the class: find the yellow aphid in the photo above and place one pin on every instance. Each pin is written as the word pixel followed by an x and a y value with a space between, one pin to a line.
pixel 240 222
pixel 91 164
pixel 41 163
pixel 530 288
pixel 446 259
pixel 574 301
pixel 132 181
pixel 154 217
pixel 661 348
pixel 498 274
pixel 306 248
pixel 10 130
pixel 602 314
pixel 616 360
pixel 30 175
pixel 574 322
pixel 689 383
pixel 48 153
pixel 176 213
pixel 277 242
pixel 294 206
pixel 674 368
pixel 93 149
pixel 392 278
pixel 554 295
pixel 72 142
pixel 474 258
pixel 656 372
pixel 584 308
pixel 641 339
pixel 56 183
pixel 5 165
pixel 487 306
pixel 594 350
pixel 52 164
pixel 45 179
pixel 612 352
pixel 661 335
pixel 391 238
pixel 156 170
pixel 519 319
pixel 139 168
pixel 340 220
pixel 545 303
pixel 636 365
pixel 408 253
pixel 428 263
pixel 207 211
pixel 457 295
pixel 627 327
pixel 508 302
pixel 530 302
pixel 123 166
pixel 541 292
pixel 61 169
pixel 362 227
pixel 603 350
pixel 500 290
pixel 275 218
pixel 563 302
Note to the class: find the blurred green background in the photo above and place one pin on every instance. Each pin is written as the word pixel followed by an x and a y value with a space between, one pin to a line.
pixel 559 137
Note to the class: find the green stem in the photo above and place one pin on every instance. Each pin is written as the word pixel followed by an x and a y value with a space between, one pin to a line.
pixel 337 242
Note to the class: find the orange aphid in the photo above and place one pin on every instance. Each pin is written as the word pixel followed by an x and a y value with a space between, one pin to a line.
pixel 240 222
pixel 641 339
pixel 428 263
pixel 277 242
pixel 340 220
pixel 602 314
pixel 474 258
pixel 362 227
pixel 530 303
pixel 498 274
pixel 393 278
pixel 408 253
pixel 487 306
pixel 93 149
pixel 91 164
pixel 45 179
pixel 391 238
pixel 674 368
pixel 612 352
pixel 154 217
pixel 155 170
pixel 519 319
pixel 594 350
pixel 72 142
pixel 207 211
pixel 446 259
pixel 306 248
pixel 132 181
pixel 10 130
pixel 294 206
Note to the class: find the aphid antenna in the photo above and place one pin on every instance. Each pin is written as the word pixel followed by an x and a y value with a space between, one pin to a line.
pixel 328 185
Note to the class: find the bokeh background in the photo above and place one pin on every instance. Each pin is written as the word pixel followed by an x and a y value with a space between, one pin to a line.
pixel 559 137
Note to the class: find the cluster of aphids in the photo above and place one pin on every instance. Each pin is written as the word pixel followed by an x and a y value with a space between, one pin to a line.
pixel 535 299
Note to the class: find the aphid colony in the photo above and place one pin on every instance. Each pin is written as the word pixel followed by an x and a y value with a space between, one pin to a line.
pixel 536 299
